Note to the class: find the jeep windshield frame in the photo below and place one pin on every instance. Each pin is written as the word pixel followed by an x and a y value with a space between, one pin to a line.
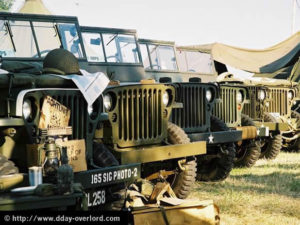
pixel 29 37
pixel 158 56
pixel 111 46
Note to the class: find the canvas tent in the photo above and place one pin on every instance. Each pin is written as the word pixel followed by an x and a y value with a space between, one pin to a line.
pixel 268 60
pixel 34 7
pixel 277 61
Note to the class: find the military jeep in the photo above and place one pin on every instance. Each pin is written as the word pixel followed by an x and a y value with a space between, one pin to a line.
pixel 25 41
pixel 270 100
pixel 195 115
pixel 196 61
pixel 290 73
pixel 125 127
pixel 139 115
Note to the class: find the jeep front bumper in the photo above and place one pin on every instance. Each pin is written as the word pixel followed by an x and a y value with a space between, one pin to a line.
pixel 219 137
pixel 273 126
pixel 160 153
pixel 11 122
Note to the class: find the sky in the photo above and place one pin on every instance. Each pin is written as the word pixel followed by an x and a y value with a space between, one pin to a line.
pixel 253 24
pixel 245 23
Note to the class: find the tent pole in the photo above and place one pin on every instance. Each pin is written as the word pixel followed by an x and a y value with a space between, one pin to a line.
pixel 294 16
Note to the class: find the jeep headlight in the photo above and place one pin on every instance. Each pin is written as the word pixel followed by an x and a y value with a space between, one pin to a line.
pixel 290 95
pixel 27 110
pixel 166 98
pixel 239 97
pixel 262 94
pixel 208 95
pixel 107 102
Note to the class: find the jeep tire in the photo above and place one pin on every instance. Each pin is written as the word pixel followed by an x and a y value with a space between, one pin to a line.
pixel 7 167
pixel 103 157
pixel 217 168
pixel 249 151
pixel 294 145
pixel 273 144
pixel 184 180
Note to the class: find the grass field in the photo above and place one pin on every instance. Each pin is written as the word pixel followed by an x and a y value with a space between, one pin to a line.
pixel 268 193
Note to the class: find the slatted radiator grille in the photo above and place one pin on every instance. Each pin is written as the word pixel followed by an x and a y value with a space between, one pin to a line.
pixel 79 114
pixel 251 108
pixel 278 101
pixel 192 117
pixel 227 109
pixel 140 114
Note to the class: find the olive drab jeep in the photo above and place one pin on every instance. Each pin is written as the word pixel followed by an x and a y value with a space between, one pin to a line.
pixel 126 127
pixel 271 100
pixel 197 61
pixel 291 73
pixel 138 113
pixel 283 92
pixel 194 116
pixel 25 41
pixel 274 104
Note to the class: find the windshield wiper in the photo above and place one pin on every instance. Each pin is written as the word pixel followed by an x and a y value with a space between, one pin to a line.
pixel 113 38
pixel 58 34
pixel 10 35
pixel 125 45
pixel 154 49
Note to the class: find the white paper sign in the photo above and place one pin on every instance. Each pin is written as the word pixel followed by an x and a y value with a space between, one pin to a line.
pixel 91 85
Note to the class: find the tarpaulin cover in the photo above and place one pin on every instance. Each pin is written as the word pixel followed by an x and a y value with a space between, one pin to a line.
pixel 291 73
pixel 268 60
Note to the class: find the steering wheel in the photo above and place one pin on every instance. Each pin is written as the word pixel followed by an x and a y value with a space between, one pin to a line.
pixel 158 67
pixel 114 56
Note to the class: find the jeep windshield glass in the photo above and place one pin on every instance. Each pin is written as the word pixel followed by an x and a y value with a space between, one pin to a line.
pixel 162 57
pixel 47 37
pixel 112 48
pixel 93 47
pixel 22 39
pixel 192 61
pixel 120 48
pixel 145 56
pixel 16 39
pixel 70 39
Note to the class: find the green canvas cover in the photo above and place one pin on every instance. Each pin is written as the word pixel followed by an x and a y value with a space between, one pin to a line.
pixel 295 74
pixel 291 73
pixel 268 60
pixel 29 75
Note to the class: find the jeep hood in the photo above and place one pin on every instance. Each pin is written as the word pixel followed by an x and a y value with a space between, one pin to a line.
pixel 254 81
